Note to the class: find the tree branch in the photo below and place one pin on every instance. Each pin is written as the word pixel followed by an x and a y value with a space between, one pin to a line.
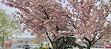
pixel 57 28
pixel 5 38
pixel 97 39
pixel 71 22
pixel 54 35
pixel 73 43
pixel 85 42
pixel 46 14
pixel 87 39
pixel 48 36
pixel 94 37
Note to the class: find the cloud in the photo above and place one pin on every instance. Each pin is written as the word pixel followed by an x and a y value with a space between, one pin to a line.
pixel 9 10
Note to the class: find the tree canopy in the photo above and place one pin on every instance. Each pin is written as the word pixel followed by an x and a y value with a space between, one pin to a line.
pixel 89 18
pixel 7 26
pixel 47 17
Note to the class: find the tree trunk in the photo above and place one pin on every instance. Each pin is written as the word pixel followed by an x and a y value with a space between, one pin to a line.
pixel 41 45
pixel 55 46
pixel 89 47
pixel 75 44
pixel 2 44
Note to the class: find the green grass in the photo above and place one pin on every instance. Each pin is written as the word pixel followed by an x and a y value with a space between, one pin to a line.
pixel 43 48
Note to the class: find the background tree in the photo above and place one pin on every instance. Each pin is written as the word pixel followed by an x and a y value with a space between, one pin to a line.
pixel 88 19
pixel 7 25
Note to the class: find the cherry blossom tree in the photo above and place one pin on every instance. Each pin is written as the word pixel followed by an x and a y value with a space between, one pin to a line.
pixel 41 17
pixel 89 19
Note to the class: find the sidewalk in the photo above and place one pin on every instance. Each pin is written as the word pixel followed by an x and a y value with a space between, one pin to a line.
pixel 94 48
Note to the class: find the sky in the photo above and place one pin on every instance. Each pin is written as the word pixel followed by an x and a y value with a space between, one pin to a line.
pixel 10 10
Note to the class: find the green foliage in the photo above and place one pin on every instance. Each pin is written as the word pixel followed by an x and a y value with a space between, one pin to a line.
pixel 65 42
pixel 36 48
pixel 46 48
pixel 7 25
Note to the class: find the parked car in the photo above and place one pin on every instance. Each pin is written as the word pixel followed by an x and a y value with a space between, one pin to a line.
pixel 106 46
pixel 83 45
pixel 33 46
pixel 98 46
pixel 24 46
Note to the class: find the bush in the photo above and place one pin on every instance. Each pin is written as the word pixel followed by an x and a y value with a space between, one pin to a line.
pixel 36 48
pixel 46 48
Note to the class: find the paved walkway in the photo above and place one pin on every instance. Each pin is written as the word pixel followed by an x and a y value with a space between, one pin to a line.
pixel 94 48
